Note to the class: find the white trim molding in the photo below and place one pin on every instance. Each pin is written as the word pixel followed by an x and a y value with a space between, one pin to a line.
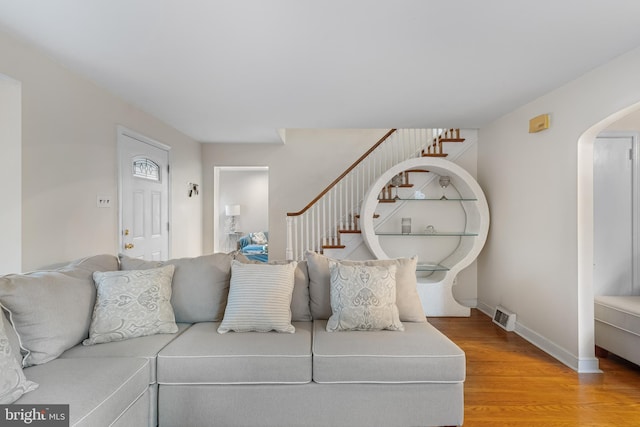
pixel 579 364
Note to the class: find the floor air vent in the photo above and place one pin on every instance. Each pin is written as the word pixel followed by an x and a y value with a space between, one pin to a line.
pixel 505 319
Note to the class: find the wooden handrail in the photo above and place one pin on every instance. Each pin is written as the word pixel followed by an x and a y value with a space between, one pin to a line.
pixel 338 179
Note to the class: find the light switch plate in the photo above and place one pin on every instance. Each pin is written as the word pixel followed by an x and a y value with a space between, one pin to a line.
pixel 103 201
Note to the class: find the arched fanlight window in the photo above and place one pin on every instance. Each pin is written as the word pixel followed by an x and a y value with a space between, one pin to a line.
pixel 146 168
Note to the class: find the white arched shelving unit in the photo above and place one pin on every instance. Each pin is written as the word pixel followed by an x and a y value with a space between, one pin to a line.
pixel 461 224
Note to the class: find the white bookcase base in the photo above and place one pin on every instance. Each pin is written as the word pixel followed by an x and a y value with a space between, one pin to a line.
pixel 437 300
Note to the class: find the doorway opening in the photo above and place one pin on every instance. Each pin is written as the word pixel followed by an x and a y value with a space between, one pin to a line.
pixel 585 212
pixel 616 215
pixel 241 205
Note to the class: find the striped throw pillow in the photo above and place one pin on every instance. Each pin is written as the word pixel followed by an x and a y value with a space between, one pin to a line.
pixel 259 298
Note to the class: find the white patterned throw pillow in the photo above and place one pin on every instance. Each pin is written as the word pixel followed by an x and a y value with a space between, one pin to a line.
pixel 13 383
pixel 259 238
pixel 363 298
pixel 259 298
pixel 132 304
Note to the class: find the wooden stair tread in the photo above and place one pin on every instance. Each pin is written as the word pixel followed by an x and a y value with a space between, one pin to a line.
pixel 333 246
pixel 452 140
pixel 375 215
pixel 350 231
pixel 386 200
pixel 434 154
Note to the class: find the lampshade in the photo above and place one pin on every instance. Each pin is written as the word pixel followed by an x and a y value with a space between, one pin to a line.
pixel 232 210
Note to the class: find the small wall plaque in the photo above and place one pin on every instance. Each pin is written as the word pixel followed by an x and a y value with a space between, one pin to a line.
pixel 539 123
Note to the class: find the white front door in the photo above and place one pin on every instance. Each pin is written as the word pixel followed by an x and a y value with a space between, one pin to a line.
pixel 144 197
pixel 613 188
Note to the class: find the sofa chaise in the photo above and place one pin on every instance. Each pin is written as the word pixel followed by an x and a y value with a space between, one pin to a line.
pixel 213 362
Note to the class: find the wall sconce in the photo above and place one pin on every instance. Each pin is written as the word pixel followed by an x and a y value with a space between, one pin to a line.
pixel 193 189
pixel 232 211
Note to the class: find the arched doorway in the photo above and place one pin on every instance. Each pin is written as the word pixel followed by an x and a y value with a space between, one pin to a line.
pixel 585 209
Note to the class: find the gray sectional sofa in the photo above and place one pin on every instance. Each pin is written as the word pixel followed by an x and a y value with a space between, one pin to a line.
pixel 197 376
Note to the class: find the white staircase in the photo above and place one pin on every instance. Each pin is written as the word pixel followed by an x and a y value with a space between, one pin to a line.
pixel 330 224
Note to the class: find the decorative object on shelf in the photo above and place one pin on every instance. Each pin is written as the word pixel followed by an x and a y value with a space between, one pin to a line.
pixel 430 229
pixel 193 189
pixel 396 182
pixel 419 195
pixel 444 182
pixel 406 225
pixel 232 212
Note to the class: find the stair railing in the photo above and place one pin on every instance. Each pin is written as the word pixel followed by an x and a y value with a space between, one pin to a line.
pixel 335 210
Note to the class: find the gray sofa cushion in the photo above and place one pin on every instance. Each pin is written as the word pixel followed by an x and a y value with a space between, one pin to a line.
pixel 51 310
pixel 623 312
pixel 97 390
pixel 407 298
pixel 420 354
pixel 300 311
pixel 142 347
pixel 313 405
pixel 200 285
pixel 202 356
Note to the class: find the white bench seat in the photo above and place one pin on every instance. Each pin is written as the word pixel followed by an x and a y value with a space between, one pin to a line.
pixel 617 325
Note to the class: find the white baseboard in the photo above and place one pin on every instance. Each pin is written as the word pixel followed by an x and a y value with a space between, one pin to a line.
pixel 485 309
pixel 468 302
pixel 581 365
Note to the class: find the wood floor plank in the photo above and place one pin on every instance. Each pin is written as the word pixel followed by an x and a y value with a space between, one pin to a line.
pixel 510 382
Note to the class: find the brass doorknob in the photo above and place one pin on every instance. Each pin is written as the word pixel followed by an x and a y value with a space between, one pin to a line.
pixel 128 246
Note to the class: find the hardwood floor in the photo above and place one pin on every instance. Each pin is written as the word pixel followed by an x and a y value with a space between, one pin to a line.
pixel 510 382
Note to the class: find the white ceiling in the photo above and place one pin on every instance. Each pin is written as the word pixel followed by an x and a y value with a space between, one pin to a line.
pixel 238 70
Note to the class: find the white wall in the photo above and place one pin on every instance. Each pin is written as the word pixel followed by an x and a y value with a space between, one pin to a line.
pixel 539 254
pixel 630 122
pixel 69 157
pixel 10 176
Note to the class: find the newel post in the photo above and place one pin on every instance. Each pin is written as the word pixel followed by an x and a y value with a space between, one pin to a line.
pixel 289 249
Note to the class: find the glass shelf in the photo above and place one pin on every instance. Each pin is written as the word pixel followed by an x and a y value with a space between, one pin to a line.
pixel 425 234
pixel 431 267
pixel 430 200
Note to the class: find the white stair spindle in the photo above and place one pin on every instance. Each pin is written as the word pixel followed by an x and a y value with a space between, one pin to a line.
pixel 339 206
pixel 317 222
pixel 336 220
pixel 350 201
pixel 299 247
pixel 322 222
pixel 289 250
pixel 307 242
